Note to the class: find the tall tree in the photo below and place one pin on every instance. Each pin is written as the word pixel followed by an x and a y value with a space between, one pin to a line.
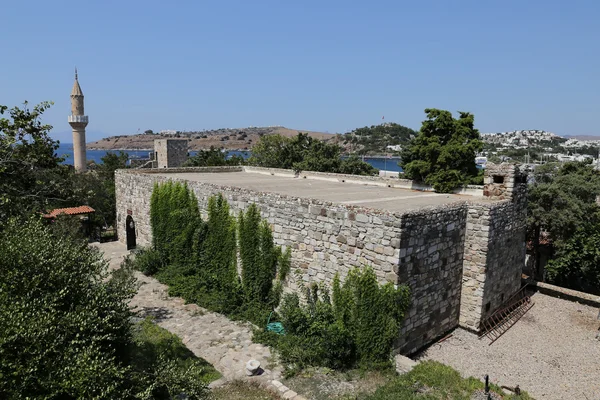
pixel 213 157
pixel 443 153
pixel 31 174
pixel 303 153
pixel 561 199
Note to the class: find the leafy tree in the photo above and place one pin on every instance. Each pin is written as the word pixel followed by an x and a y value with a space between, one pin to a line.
pixel 174 217
pixel 357 328
pixel 31 175
pixel 218 261
pixel 577 261
pixel 213 157
pixel 303 153
pixel 274 151
pixel 65 325
pixel 443 153
pixel 561 200
pixel 96 188
pixel 64 330
pixel 149 132
pixel 355 166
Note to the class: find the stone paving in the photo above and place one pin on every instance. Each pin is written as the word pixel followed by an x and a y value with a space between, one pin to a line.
pixel 225 344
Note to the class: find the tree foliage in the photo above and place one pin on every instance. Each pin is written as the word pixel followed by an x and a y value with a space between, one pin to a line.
pixel 31 176
pixel 174 216
pixel 198 259
pixel 562 204
pixel 443 153
pixel 357 328
pixel 66 328
pixel 303 153
pixel 213 158
pixel 577 261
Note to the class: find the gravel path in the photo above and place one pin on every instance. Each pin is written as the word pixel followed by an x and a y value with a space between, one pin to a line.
pixel 552 352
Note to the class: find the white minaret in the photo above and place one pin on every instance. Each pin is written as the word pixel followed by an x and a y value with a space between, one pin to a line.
pixel 78 121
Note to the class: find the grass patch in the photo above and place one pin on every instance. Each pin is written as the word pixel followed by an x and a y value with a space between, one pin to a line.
pixel 154 343
pixel 240 390
pixel 431 380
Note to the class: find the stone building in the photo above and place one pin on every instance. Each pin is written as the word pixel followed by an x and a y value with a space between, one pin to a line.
pixel 460 254
pixel 170 153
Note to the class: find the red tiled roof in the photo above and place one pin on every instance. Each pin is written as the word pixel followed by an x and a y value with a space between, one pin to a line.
pixel 70 211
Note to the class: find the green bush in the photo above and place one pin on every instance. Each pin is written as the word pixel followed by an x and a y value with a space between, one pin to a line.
pixel 357 329
pixel 148 261
pixel 200 257
pixel 65 325
pixel 174 217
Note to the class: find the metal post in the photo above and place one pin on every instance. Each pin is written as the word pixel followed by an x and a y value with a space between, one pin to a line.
pixel 487 387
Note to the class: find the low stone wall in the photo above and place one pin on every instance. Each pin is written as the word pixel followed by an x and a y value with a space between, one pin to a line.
pixel 471 190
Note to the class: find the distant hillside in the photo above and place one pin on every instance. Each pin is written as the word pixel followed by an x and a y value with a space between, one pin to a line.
pixel 226 138
pixel 377 139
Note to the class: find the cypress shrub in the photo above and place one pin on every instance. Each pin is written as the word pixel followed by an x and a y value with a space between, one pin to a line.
pixel 258 255
pixel 217 263
pixel 357 328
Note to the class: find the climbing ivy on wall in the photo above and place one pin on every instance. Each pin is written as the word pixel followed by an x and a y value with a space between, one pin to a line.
pixel 198 259
pixel 174 217
pixel 354 304
pixel 258 255
pixel 217 263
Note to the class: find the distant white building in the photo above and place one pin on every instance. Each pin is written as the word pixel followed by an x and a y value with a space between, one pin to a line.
pixel 395 147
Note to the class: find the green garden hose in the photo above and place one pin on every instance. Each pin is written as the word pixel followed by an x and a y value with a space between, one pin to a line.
pixel 276 327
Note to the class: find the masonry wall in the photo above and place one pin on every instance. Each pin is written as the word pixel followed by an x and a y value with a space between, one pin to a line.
pixel 325 238
pixel 495 246
pixel 431 259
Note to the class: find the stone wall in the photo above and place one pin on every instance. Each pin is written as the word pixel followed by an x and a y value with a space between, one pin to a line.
pixel 325 238
pixel 431 260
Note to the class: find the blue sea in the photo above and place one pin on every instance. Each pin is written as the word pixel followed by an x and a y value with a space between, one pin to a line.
pixel 66 149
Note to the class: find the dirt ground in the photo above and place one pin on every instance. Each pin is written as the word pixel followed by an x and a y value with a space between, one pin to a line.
pixel 552 352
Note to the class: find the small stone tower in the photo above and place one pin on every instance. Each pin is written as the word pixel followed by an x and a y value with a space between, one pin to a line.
pixel 78 121
pixel 170 153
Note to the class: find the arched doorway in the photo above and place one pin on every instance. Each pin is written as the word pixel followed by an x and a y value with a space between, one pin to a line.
pixel 130 230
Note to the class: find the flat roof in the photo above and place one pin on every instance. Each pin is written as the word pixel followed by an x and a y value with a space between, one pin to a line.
pixel 348 193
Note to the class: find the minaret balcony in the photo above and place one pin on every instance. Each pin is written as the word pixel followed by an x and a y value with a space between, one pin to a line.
pixel 78 118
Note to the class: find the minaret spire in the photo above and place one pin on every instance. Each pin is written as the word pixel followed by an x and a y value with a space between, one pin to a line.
pixel 78 121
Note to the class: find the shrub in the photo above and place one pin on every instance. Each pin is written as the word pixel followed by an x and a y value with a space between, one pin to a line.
pixel 64 328
pixel 174 217
pixel 357 328
pixel 148 261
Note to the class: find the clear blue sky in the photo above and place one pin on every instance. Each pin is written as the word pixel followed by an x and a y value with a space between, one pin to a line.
pixel 314 65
